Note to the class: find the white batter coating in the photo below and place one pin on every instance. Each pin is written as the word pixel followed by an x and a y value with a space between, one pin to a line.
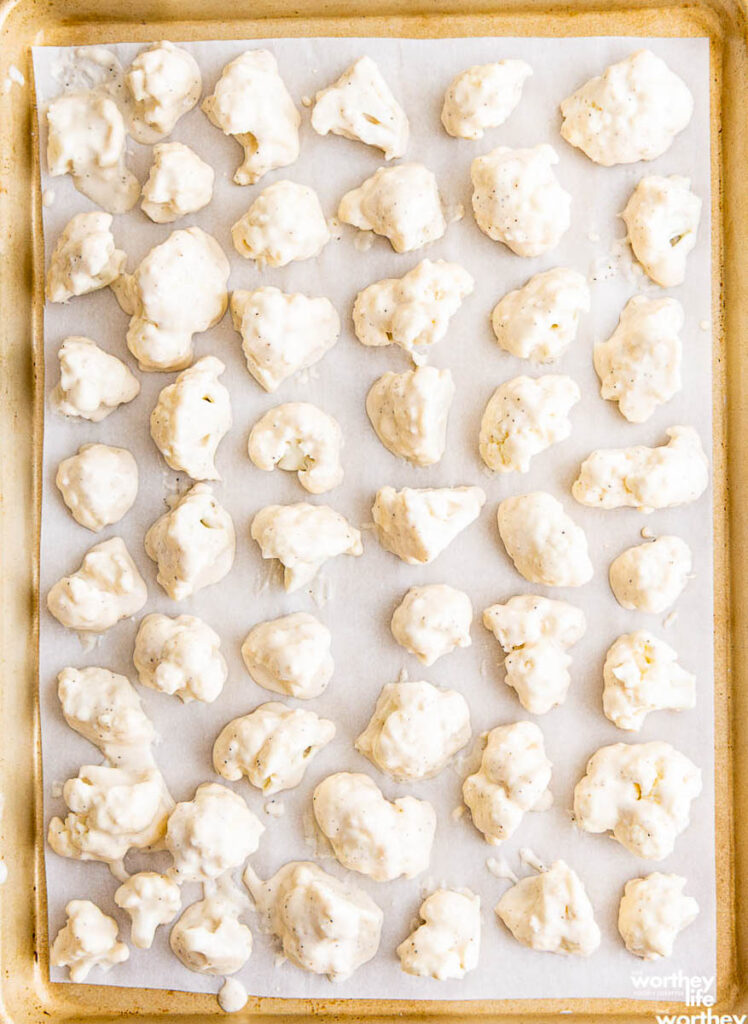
pixel 282 333
pixel 641 793
pixel 535 633
pixel 99 485
pixel 652 576
pixel 632 112
pixel 639 365
pixel 513 778
pixel 524 416
pixel 272 746
pixel 409 412
pixel 540 320
pixel 402 203
pixel 432 621
pixel 290 655
pixel 324 925
pixel 105 588
pixel 210 939
pixel 181 657
pixel 415 730
pixel 412 311
pixel 191 417
pixel 518 200
pixel 370 834
pixel 544 543
pixel 87 139
pixel 105 709
pixel 210 834
pixel 662 218
pixel 652 912
pixel 251 102
pixel 178 183
pixel 112 810
pixel 418 524
pixel 164 83
pixel 483 96
pixel 177 290
pixel 193 544
pixel 92 383
pixel 302 537
pixel 642 674
pixel 447 944
pixel 360 106
pixel 673 474
pixel 551 912
pixel 300 438
pixel 150 900
pixel 283 224
pixel 89 939
pixel 84 258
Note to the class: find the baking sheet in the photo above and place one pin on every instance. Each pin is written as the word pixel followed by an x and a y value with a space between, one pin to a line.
pixel 356 597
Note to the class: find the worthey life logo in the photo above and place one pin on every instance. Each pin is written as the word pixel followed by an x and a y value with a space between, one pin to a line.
pixel 707 1016
pixel 691 989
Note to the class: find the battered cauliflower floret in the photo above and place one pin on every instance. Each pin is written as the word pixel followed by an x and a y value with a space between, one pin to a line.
pixel 551 912
pixel 524 416
pixel 290 655
pixel 193 544
pixel 401 203
pixel 106 588
pixel 191 417
pixel 652 576
pixel 432 621
pixel 632 112
pixel 112 810
pixel 674 474
pixel 84 258
pixel 210 939
pixel 662 218
pixel 447 944
pixel 178 289
pixel 324 925
pixel 283 224
pixel 418 524
pixel 409 412
pixel 513 778
pixel 251 102
pixel 639 365
pixel 535 633
pixel 518 200
pixel 181 657
pixel 360 106
pixel 92 383
pixel 301 438
pixel 652 912
pixel 412 311
pixel 540 320
pixel 272 746
pixel 99 485
pixel 544 543
pixel 641 793
pixel 210 834
pixel 415 730
pixel 86 139
pixel 483 97
pixel 282 333
pixel 178 183
pixel 302 537
pixel 164 83
pixel 150 900
pixel 370 834
pixel 642 674
pixel 88 940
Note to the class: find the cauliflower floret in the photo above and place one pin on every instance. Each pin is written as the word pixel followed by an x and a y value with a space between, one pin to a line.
pixel 483 97
pixel 84 258
pixel 88 940
pixel 209 937
pixel 642 674
pixel 432 621
pixel 409 412
pixel 540 320
pixel 99 485
pixel 650 577
pixel 447 944
pixel 179 182
pixel 544 543
pixel 92 383
pixel 283 224
pixel 662 218
pixel 151 900
pixel 180 656
pixel 164 82
pixel 106 588
pixel 653 910
pixel 290 655
pixel 417 525
pixel 301 438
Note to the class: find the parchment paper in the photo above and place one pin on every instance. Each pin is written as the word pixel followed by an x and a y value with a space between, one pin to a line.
pixel 356 597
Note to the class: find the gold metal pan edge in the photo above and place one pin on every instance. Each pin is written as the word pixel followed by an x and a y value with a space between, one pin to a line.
pixel 26 995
